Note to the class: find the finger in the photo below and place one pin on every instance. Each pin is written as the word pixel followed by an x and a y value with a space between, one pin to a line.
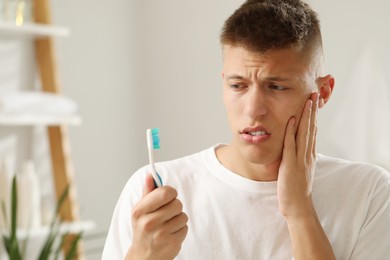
pixel 149 185
pixel 303 133
pixel 169 210
pixel 289 139
pixel 315 141
pixel 313 126
pixel 181 233
pixel 176 223
pixel 157 199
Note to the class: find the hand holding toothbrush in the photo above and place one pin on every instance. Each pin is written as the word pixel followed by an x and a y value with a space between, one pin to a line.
pixel 159 224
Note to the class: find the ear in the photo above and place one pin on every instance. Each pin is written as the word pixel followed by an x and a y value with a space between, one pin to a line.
pixel 325 89
pixel 223 74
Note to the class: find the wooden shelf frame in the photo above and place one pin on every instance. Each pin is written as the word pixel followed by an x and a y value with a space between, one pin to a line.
pixel 63 174
pixel 42 32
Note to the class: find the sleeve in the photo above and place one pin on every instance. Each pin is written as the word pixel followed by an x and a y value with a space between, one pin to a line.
pixel 120 234
pixel 374 237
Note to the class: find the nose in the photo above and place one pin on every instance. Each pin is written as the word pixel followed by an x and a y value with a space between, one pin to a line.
pixel 255 103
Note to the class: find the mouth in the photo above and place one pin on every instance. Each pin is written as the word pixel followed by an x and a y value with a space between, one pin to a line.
pixel 255 131
pixel 255 135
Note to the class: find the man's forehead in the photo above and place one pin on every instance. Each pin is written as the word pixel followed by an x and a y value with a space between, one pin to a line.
pixel 250 56
pixel 275 65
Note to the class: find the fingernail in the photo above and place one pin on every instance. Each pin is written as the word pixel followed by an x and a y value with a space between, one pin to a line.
pixel 309 103
pixel 293 121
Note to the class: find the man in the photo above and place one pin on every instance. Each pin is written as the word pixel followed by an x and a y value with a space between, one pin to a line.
pixel 267 194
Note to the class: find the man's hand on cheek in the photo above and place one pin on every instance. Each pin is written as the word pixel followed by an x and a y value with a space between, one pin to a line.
pixel 298 162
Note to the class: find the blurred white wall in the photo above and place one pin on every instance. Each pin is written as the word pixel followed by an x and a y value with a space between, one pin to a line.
pixel 97 69
pixel 132 65
pixel 151 63
pixel 355 124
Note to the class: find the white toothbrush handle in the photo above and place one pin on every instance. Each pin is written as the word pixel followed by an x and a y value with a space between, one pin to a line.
pixel 154 171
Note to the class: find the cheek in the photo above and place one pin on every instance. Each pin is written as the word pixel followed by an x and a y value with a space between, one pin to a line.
pixel 232 103
pixel 230 108
pixel 298 110
pixel 291 109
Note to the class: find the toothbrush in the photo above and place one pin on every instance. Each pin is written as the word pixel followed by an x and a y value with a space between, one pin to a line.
pixel 153 142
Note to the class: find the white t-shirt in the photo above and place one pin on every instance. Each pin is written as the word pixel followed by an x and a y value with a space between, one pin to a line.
pixel 231 217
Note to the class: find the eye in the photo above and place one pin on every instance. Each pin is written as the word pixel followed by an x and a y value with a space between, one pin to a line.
pixel 277 87
pixel 236 86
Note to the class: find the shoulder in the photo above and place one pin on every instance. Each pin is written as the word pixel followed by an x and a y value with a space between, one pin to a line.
pixel 353 173
pixel 332 164
pixel 185 170
pixel 189 161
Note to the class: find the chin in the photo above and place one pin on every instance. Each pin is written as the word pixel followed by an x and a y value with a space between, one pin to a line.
pixel 259 156
pixel 263 160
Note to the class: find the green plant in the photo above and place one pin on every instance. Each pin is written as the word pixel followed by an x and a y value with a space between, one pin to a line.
pixel 50 247
pixel 11 243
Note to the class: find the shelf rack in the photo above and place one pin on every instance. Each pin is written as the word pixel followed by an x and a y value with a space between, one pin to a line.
pixel 42 33
pixel 31 30
pixel 65 228
pixel 38 120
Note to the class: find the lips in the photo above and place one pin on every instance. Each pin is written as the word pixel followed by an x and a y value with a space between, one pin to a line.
pixel 255 131
pixel 255 135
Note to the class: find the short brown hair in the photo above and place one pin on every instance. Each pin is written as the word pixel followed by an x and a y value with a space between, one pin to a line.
pixel 262 25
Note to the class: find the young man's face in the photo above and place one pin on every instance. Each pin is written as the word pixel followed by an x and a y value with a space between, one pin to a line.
pixel 261 93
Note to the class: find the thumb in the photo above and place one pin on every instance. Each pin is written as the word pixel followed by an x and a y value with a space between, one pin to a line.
pixel 149 185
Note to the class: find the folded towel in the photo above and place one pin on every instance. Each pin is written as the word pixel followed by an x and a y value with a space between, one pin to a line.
pixel 37 103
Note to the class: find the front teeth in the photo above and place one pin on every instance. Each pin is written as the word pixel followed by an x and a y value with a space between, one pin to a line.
pixel 258 133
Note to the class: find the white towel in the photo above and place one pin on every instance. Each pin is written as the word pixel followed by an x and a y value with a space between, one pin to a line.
pixel 36 103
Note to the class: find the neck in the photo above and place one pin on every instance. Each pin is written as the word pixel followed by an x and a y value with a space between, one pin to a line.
pixel 233 161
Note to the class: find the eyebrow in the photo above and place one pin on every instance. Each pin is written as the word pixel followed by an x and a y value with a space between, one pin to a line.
pixel 272 78
pixel 276 78
pixel 235 77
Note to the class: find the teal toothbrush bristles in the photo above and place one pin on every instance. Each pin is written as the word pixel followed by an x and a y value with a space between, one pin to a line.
pixel 153 141
pixel 155 138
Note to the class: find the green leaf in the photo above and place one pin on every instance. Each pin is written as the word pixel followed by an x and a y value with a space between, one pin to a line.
pixel 7 243
pixel 14 206
pixel 61 201
pixel 14 252
pixel 61 244
pixel 54 228
pixel 47 247
pixel 11 243
pixel 4 212
pixel 72 253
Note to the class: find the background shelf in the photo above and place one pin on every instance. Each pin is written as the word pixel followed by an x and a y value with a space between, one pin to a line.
pixel 66 227
pixel 31 30
pixel 31 120
pixel 40 35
